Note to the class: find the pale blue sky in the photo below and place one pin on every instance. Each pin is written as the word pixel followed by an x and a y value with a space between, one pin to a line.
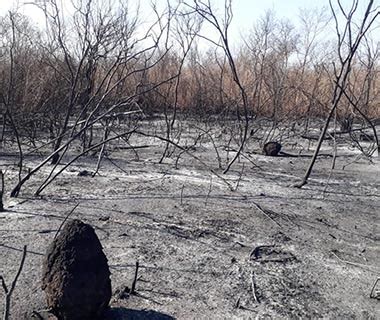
pixel 246 12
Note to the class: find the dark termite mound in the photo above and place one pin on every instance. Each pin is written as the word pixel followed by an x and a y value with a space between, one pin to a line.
pixel 76 277
pixel 271 148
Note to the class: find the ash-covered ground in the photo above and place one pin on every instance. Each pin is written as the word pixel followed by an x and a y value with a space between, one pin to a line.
pixel 264 250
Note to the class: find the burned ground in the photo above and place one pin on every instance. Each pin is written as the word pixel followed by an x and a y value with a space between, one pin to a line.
pixel 265 250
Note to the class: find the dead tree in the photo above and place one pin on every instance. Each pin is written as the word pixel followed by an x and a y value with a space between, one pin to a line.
pixel 9 99
pixel 109 39
pixel 349 39
pixel 361 97
pixel 205 10
pixel 184 31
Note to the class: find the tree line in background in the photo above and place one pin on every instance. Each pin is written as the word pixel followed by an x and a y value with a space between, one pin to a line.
pixel 101 63
pixel 71 63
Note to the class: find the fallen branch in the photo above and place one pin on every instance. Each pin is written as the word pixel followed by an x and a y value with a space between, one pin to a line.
pixel 264 212
pixel 363 266
pixel 255 252
pixel 51 177
pixel 375 294
pixel 253 285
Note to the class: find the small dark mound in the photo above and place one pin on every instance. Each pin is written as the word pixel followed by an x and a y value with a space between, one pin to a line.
pixel 84 173
pixel 272 148
pixel 76 276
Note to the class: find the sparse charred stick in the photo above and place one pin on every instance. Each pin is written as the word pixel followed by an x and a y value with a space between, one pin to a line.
pixel 8 291
pixel 239 179
pixel 2 187
pixel 133 288
pixel 183 187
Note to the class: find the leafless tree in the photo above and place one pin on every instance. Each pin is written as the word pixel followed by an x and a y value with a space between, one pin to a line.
pixel 92 75
pixel 103 55
pixel 221 25
pixel 184 29
pixel 349 39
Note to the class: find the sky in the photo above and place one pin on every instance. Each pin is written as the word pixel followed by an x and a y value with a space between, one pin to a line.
pixel 244 9
pixel 246 12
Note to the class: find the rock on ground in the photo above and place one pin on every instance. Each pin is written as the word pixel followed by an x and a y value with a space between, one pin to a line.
pixel 272 148
pixel 76 276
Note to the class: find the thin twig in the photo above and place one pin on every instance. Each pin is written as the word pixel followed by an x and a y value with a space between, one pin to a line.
pixel 363 266
pixel 64 220
pixel 4 285
pixel 209 191
pixel 8 292
pixel 263 211
pixel 183 187
pixel 239 179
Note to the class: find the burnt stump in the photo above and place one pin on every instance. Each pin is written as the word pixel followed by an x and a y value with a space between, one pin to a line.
pixel 272 148
pixel 76 276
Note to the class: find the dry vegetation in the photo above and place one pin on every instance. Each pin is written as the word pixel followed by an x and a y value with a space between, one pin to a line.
pixel 98 86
